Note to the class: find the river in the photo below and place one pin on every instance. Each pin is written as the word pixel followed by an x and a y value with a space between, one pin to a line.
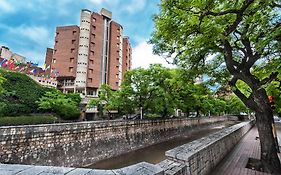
pixel 154 153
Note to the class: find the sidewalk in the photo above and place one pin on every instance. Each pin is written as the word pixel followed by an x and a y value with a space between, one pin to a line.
pixel 236 160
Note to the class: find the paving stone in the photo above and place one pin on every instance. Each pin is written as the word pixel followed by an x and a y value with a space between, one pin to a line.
pixel 101 172
pixel 35 170
pixel 142 168
pixel 58 170
pixel 79 171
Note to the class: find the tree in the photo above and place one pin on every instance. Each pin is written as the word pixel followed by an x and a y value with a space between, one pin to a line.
pixel 65 106
pixel 149 90
pixel 2 79
pixel 106 101
pixel 238 35
pixel 19 94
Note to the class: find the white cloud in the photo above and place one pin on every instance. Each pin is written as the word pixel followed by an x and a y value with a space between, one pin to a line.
pixel 142 56
pixel 98 1
pixel 135 6
pixel 5 6
pixel 37 34
pixel 34 56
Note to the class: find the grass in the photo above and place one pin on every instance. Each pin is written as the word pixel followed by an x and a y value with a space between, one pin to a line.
pixel 27 120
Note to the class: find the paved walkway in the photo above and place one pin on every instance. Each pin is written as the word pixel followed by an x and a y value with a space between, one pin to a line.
pixel 235 162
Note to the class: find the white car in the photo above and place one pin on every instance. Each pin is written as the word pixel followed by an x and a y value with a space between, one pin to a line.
pixel 276 119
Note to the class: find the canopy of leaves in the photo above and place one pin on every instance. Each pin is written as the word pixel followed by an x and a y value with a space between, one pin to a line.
pixel 160 91
pixel 107 100
pixel 210 36
pixel 19 94
pixel 64 105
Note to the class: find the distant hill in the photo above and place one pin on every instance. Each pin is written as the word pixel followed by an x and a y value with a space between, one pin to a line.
pixel 20 94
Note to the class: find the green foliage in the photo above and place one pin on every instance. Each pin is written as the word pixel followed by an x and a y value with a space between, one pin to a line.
pixel 26 120
pixel 20 94
pixel 149 90
pixel 159 91
pixel 106 101
pixel 64 105
pixel 273 88
pixel 2 79
pixel 235 105
pixel 217 39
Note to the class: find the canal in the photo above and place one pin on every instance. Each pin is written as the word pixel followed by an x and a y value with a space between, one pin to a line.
pixel 154 153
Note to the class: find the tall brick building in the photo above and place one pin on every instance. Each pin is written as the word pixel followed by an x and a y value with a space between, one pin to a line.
pixel 94 53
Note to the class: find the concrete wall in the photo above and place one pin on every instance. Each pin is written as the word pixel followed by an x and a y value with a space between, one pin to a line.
pixel 197 157
pixel 77 144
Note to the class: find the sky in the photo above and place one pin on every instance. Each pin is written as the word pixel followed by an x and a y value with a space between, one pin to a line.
pixel 27 27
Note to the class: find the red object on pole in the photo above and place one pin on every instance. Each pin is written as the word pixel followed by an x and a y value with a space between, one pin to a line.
pixel 270 99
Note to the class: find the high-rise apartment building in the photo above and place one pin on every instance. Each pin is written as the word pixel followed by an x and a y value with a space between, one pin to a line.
pixel 94 53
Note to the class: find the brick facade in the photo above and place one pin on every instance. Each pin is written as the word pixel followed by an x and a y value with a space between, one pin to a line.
pixel 103 66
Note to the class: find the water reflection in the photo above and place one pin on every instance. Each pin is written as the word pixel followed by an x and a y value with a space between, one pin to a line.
pixel 152 154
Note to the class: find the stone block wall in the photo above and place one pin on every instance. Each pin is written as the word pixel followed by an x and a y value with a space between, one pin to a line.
pixel 202 155
pixel 79 144
pixel 195 158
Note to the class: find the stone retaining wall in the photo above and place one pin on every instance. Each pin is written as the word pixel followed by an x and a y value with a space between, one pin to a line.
pixel 78 144
pixel 201 156
pixel 195 158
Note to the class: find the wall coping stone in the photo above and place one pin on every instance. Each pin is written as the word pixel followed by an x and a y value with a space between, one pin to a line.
pixel 184 152
pixel 142 168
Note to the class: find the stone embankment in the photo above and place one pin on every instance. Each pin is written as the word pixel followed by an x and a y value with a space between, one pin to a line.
pixel 197 157
pixel 80 144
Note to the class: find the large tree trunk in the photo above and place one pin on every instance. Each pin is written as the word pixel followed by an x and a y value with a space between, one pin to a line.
pixel 264 118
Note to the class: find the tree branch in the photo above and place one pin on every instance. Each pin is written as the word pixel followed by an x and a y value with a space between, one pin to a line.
pixel 247 44
pixel 252 61
pixel 249 102
pixel 269 79
pixel 230 63
pixel 239 17
pixel 274 4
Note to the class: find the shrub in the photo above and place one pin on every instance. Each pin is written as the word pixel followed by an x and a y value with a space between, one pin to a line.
pixel 64 106
pixel 20 94
pixel 26 120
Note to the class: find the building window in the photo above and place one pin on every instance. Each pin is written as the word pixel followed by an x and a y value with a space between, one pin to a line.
pixel 73 41
pixel 91 61
pixel 70 69
pixel 54 60
pixel 71 60
pixel 91 71
pixel 90 80
pixel 93 35
pixel 72 50
pixel 93 44
pixel 92 53
pixel 94 27
pixel 94 19
pixel 73 32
